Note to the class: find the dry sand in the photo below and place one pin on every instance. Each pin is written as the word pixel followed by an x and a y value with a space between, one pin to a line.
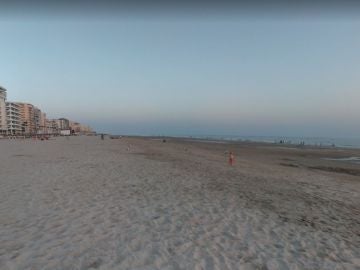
pixel 84 203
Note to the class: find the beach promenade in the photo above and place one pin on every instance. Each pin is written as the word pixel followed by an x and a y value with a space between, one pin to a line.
pixel 139 203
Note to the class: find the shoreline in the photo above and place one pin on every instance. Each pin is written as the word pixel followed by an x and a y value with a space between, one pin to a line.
pixel 240 141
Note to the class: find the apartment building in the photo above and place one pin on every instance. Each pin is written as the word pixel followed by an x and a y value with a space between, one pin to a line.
pixel 79 128
pixel 24 118
pixel 86 129
pixel 51 127
pixel 3 118
pixel 14 122
pixel 37 117
pixel 63 124
pixel 27 113
pixel 75 127
pixel 43 129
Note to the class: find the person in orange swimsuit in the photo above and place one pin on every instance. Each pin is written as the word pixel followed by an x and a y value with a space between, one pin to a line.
pixel 231 158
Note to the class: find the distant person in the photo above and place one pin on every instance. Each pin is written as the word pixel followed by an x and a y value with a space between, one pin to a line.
pixel 102 136
pixel 231 158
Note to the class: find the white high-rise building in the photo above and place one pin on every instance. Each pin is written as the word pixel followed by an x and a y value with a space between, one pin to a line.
pixel 3 118
pixel 13 118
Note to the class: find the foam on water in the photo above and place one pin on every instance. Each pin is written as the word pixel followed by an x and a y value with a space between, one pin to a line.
pixel 346 159
pixel 312 141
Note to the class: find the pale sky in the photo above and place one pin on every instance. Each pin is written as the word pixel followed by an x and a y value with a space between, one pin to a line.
pixel 183 75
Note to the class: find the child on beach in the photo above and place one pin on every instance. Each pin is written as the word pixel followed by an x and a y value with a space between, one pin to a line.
pixel 231 158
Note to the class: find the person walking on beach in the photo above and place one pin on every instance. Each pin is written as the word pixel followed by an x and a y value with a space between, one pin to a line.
pixel 231 158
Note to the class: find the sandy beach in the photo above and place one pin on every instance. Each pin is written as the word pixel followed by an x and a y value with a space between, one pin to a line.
pixel 139 203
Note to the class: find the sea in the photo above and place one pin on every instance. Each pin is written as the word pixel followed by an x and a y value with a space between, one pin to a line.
pixel 311 141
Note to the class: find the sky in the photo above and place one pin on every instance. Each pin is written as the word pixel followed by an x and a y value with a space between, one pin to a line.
pixel 216 72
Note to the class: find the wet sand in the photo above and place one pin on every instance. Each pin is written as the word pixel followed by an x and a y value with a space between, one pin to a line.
pixel 139 203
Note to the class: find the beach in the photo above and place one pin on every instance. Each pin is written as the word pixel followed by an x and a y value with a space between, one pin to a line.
pixel 141 203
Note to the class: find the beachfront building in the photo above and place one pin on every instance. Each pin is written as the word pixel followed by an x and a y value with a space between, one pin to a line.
pixel 43 123
pixel 80 129
pixel 58 125
pixel 63 124
pixel 27 113
pixel 75 127
pixel 21 118
pixel 3 117
pixel 13 118
pixel 40 122
pixel 37 116
pixel 86 129
pixel 52 127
